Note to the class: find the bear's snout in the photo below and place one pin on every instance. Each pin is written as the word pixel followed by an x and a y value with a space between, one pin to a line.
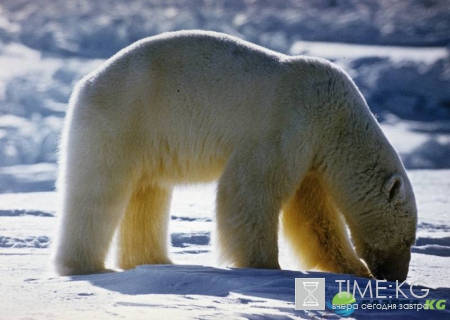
pixel 394 267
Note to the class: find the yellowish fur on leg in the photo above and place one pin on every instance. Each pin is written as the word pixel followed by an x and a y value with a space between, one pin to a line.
pixel 316 231
pixel 143 237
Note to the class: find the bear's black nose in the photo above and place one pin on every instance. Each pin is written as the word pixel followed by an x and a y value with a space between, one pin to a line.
pixel 389 273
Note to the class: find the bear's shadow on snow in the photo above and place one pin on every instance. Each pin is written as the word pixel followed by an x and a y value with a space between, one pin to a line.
pixel 203 280
pixel 200 280
pixel 207 281
pixel 253 283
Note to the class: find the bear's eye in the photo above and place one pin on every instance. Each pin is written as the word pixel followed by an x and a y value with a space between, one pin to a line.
pixel 407 242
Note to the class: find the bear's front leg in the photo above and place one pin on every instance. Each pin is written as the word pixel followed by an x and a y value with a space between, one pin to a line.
pixel 248 206
pixel 316 230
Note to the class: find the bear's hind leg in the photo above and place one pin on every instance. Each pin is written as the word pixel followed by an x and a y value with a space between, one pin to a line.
pixel 94 201
pixel 316 231
pixel 143 237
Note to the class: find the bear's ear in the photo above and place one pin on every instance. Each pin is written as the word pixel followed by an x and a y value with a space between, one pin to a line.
pixel 393 188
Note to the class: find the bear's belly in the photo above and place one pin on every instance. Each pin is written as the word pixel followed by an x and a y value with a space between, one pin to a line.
pixel 184 172
pixel 185 163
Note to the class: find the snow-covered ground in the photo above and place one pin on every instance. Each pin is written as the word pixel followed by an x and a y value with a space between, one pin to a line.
pixel 397 53
pixel 47 45
pixel 33 98
pixel 196 287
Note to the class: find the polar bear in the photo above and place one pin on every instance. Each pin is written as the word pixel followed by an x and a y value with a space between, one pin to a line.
pixel 290 139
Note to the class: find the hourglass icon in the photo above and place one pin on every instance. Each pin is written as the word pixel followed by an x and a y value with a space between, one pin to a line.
pixel 310 300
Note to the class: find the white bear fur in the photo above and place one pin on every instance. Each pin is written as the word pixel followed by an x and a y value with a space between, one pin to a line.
pixel 279 132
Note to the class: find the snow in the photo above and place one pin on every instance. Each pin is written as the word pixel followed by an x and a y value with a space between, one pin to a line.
pixel 398 55
pixel 195 287
pixel 357 51
pixel 44 52
pixel 28 178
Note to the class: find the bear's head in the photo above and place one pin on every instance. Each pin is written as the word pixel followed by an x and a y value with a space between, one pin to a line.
pixel 380 211
pixel 384 236
pixel 364 173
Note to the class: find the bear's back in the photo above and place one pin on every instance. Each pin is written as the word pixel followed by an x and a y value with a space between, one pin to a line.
pixel 190 80
pixel 200 94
